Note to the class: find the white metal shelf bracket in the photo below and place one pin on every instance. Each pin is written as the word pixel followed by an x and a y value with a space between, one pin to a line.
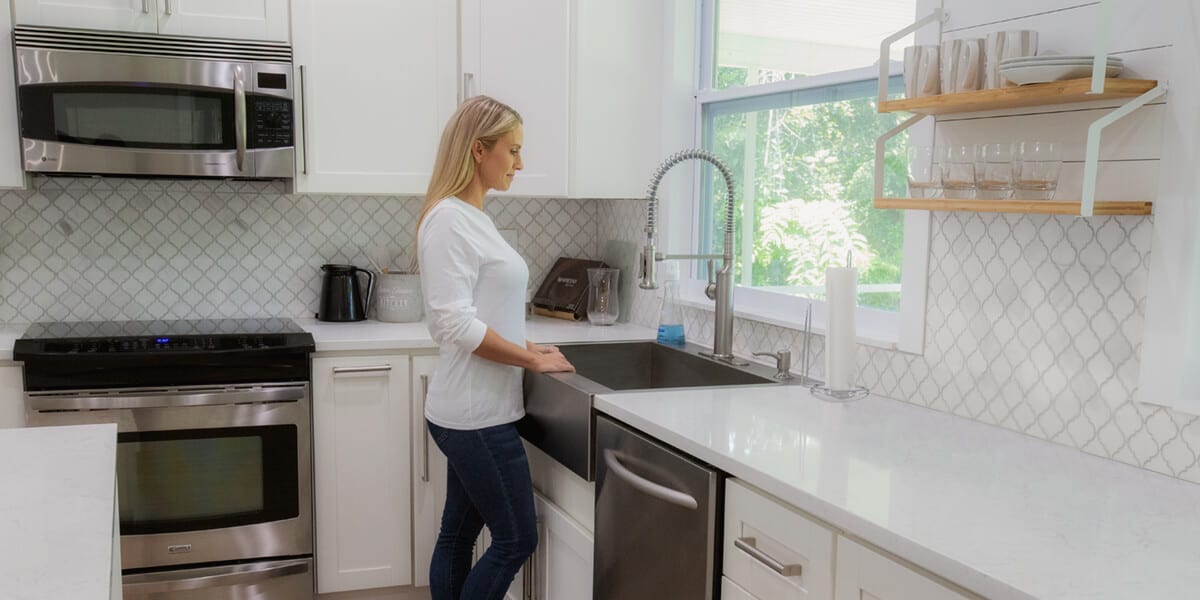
pixel 941 16
pixel 938 14
pixel 1100 60
pixel 1092 160
pixel 880 142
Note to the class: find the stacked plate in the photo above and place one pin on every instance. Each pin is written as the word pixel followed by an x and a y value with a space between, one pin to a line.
pixel 1054 67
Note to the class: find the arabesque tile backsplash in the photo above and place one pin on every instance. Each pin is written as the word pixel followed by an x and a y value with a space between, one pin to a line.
pixel 1033 323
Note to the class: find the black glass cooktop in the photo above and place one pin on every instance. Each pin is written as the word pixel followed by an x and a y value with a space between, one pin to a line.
pixel 92 354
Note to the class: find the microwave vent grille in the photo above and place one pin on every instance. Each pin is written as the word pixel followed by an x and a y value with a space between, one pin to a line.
pixel 85 40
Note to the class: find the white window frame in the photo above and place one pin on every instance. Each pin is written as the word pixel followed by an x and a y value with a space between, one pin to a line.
pixel 902 330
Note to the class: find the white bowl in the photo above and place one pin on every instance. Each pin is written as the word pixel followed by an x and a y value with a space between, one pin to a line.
pixel 1024 75
pixel 1080 57
pixel 1031 63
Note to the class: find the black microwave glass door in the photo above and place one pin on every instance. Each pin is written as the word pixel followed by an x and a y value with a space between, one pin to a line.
pixel 128 116
pixel 189 480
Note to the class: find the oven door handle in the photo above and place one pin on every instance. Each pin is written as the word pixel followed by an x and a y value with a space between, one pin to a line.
pixel 213 577
pixel 646 486
pixel 116 402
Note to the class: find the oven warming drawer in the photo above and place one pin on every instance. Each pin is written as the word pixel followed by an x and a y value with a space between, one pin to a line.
pixel 272 580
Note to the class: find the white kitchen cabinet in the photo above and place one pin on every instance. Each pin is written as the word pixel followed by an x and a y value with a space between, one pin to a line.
pixel 519 52
pixel 362 476
pixel 732 591
pixel 12 396
pixel 760 532
pixel 429 475
pixel 863 573
pixel 562 564
pixel 617 81
pixel 248 19
pixel 376 85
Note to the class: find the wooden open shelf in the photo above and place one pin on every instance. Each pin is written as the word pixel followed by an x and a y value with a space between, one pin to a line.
pixel 1041 207
pixel 1037 94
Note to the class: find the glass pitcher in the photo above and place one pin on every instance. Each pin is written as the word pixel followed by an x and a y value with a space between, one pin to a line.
pixel 603 304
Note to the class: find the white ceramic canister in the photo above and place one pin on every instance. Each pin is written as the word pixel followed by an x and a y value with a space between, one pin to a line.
pixel 398 298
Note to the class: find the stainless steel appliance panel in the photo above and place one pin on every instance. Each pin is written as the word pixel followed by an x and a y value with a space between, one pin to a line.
pixel 657 520
pixel 190 409
pixel 272 580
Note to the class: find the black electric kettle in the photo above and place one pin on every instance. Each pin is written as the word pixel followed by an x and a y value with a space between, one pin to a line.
pixel 341 297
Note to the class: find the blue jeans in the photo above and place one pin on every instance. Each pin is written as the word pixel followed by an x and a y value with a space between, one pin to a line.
pixel 488 483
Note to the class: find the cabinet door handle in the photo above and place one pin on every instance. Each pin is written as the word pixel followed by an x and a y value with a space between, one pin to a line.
pixel 425 428
pixel 167 9
pixel 468 79
pixel 371 369
pixel 303 124
pixel 749 545
pixel 146 7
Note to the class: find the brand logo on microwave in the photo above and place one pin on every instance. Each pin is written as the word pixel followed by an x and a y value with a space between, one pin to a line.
pixel 567 280
pixel 49 159
pixel 179 549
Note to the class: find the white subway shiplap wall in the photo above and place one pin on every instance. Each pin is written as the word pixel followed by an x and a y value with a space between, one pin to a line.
pixel 1035 323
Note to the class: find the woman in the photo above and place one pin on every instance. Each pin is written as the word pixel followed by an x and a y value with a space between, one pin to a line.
pixel 474 286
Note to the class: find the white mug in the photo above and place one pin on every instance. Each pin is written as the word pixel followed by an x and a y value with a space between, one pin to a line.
pixel 1007 44
pixel 921 71
pixel 962 65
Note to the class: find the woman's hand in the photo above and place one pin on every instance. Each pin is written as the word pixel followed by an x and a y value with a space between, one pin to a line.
pixel 548 359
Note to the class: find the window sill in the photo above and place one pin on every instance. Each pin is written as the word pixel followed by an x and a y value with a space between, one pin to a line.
pixel 691 294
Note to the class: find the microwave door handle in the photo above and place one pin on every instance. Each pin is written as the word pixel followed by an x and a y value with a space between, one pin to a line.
pixel 239 114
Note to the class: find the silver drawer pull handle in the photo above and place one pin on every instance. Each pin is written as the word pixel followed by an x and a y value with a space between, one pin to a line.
pixel 374 369
pixel 646 486
pixel 749 545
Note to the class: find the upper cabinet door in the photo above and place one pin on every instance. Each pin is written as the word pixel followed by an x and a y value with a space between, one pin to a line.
pixel 519 52
pixel 377 83
pixel 247 19
pixel 122 15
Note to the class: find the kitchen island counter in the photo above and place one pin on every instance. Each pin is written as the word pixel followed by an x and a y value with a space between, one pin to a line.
pixel 1001 514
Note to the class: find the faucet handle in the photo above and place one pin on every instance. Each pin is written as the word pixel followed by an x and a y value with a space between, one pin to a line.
pixel 783 362
pixel 710 290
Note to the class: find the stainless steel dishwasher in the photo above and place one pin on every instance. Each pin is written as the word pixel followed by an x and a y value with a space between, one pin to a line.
pixel 657 519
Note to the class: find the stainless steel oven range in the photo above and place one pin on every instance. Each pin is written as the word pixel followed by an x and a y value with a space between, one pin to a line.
pixel 214 458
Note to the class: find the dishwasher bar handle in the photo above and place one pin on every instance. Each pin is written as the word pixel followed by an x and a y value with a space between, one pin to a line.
pixel 166 400
pixel 646 486
pixel 749 545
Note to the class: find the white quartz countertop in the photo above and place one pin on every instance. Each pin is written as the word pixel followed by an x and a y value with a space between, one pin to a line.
pixel 57 493
pixel 1002 514
pixel 377 335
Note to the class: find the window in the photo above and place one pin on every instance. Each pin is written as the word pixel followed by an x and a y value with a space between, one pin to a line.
pixel 787 101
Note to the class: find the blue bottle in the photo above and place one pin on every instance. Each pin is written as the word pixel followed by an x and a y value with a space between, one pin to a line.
pixel 670 319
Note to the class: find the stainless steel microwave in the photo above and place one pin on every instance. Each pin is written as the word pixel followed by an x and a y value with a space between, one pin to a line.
pixel 115 103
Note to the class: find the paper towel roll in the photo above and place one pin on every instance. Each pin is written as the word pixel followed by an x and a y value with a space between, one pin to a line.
pixel 841 294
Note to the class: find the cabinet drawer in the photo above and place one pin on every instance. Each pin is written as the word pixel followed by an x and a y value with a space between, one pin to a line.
pixel 866 574
pixel 731 591
pixel 760 531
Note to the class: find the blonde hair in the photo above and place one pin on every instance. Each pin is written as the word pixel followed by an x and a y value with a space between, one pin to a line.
pixel 483 119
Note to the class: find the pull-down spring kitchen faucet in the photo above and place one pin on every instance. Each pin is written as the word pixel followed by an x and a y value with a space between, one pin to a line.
pixel 722 289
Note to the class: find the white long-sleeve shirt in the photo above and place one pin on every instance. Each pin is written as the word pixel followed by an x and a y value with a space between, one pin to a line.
pixel 471 279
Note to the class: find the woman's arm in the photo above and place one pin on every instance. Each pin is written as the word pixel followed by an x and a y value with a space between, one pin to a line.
pixel 543 359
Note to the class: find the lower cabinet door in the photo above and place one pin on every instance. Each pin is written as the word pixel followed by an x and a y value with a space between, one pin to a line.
pixel 863 574
pixel 361 472
pixel 562 564
pixel 429 475
pixel 731 591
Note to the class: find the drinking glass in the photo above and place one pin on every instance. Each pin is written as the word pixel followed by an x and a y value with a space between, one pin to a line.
pixel 1035 170
pixel 994 171
pixel 958 172
pixel 603 304
pixel 924 174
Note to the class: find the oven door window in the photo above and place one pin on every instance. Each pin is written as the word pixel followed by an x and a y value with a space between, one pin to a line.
pixel 198 479
pixel 127 116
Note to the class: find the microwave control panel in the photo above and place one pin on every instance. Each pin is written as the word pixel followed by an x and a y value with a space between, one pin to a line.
pixel 270 122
